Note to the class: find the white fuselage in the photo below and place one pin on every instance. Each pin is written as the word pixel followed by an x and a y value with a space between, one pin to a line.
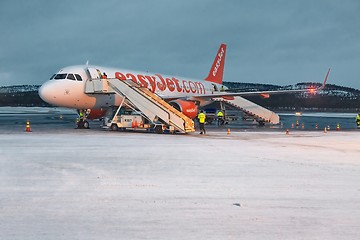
pixel 67 87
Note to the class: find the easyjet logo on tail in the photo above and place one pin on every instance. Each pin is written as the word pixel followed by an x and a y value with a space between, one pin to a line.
pixel 218 62
pixel 217 69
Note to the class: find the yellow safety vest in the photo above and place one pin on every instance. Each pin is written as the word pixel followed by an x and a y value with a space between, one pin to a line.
pixel 220 114
pixel 201 117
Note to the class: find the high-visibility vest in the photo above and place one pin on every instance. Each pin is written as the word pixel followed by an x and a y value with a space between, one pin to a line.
pixel 358 118
pixel 201 117
pixel 220 114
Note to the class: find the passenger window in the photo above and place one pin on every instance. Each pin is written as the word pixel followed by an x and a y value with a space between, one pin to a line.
pixel 60 76
pixel 52 76
pixel 78 77
pixel 71 76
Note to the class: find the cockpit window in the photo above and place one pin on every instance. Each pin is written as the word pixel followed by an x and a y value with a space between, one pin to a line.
pixel 78 77
pixel 71 76
pixel 60 76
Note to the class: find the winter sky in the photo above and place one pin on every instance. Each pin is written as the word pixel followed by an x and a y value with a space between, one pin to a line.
pixel 269 41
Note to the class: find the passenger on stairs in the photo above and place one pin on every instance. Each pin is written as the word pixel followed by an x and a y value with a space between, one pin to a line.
pixel 202 117
pixel 104 76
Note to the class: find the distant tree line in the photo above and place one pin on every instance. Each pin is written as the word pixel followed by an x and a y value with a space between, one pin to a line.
pixel 333 97
pixel 26 99
pixel 296 102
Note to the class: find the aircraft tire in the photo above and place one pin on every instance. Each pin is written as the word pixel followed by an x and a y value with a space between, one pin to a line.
pixel 159 129
pixel 80 125
pixel 114 127
pixel 261 123
pixel 86 125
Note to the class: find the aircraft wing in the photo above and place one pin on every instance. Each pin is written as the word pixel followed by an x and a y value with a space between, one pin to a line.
pixel 227 94
pixel 253 93
pixel 264 94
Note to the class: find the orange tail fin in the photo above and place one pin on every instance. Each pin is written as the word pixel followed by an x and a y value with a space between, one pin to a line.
pixel 217 69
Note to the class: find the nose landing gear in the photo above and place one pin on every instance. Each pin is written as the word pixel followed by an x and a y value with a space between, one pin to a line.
pixel 81 122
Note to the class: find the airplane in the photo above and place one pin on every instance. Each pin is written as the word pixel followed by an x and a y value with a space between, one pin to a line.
pixel 66 88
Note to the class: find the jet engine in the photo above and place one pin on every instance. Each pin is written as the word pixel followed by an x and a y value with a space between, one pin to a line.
pixel 186 107
pixel 96 113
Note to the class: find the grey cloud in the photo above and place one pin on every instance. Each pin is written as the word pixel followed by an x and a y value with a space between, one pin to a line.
pixel 278 42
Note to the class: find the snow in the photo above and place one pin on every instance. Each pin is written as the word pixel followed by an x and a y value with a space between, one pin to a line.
pixel 74 184
pixel 35 110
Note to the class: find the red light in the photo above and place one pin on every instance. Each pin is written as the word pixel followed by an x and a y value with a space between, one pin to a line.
pixel 312 90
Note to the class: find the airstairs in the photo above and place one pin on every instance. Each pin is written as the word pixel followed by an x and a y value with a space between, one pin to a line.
pixel 150 104
pixel 260 113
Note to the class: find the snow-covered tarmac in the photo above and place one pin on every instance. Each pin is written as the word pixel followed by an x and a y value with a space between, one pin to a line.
pixel 75 184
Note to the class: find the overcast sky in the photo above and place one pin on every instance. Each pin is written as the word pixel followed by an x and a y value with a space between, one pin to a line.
pixel 276 42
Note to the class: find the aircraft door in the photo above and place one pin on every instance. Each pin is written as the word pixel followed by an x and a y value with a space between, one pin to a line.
pixel 215 88
pixel 94 73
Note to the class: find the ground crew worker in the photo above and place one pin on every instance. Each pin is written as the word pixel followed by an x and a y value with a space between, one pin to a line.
pixel 80 120
pixel 202 117
pixel 220 117
pixel 222 89
pixel 358 120
pixel 104 76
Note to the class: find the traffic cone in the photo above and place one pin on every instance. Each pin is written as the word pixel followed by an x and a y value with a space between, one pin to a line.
pixel 338 127
pixel 302 126
pixel 134 124
pixel 325 131
pixel 316 126
pixel 292 125
pixel 27 128
pixel 287 131
pixel 228 131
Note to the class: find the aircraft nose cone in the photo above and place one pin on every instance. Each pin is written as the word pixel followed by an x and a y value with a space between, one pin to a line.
pixel 46 93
